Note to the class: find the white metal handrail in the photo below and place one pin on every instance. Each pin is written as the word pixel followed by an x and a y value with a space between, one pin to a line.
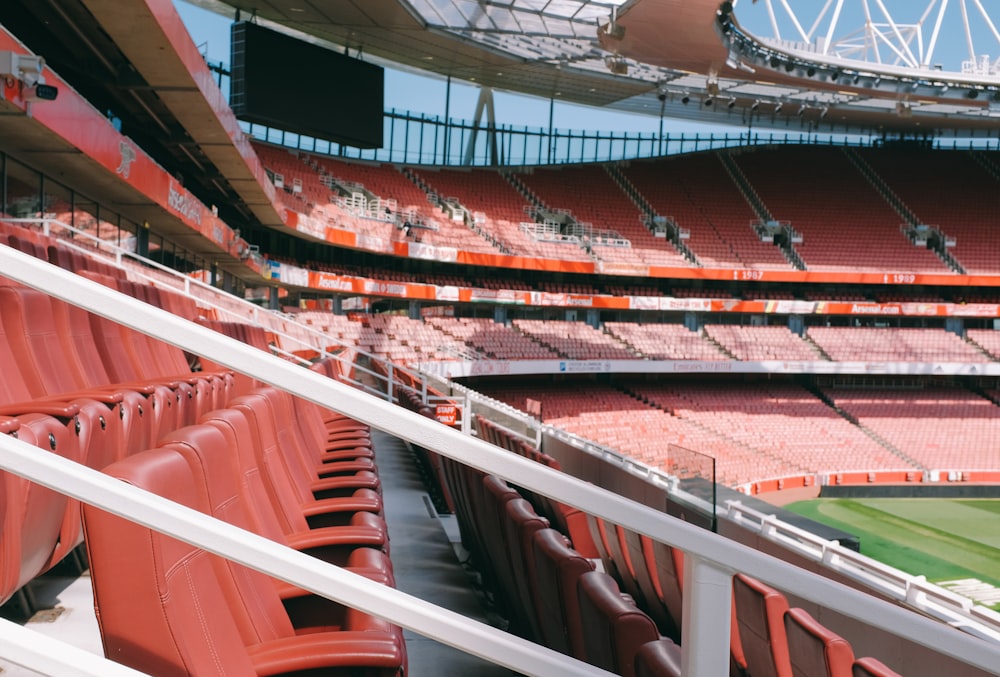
pixel 44 655
pixel 710 562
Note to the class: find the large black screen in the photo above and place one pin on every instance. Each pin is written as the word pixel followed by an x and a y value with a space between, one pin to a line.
pixel 296 86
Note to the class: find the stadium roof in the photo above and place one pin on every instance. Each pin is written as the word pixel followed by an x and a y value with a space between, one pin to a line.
pixel 673 55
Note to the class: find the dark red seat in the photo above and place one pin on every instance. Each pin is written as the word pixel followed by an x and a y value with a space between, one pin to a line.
pixel 557 569
pixel 669 563
pixel 641 553
pixel 815 651
pixel 497 569
pixel 520 522
pixel 613 626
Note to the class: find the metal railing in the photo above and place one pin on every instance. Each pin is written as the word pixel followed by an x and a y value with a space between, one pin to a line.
pixel 419 139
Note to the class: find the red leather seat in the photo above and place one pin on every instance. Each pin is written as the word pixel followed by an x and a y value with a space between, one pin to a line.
pixel 140 425
pixel 815 651
pixel 670 576
pixel 358 545
pixel 613 626
pixel 46 367
pixel 490 515
pixel 557 569
pixel 760 617
pixel 163 606
pixel 520 522
pixel 35 521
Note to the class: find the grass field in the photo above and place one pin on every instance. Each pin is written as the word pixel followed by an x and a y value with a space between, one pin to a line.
pixel 939 538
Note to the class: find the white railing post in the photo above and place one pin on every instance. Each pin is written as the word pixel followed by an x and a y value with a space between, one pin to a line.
pixel 707 613
pixel 466 414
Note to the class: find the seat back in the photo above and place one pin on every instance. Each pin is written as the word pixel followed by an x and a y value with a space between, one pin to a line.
pixel 624 567
pixel 613 626
pixel 557 569
pixel 159 604
pixel 813 650
pixel 669 563
pixel 640 551
pixel 215 467
pixel 760 618
pixel 493 499
pixel 520 524
pixel 35 518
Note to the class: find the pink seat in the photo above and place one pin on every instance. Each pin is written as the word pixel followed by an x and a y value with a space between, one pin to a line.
pixel 815 651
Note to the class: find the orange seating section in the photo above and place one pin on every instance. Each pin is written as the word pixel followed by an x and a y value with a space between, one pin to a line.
pixel 696 192
pixel 969 212
pixel 845 223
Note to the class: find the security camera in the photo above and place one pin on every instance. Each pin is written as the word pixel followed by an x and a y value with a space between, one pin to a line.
pixel 25 67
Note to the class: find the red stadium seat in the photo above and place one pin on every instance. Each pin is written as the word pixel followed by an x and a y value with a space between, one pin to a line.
pixel 813 650
pixel 163 606
pixel 557 568
pixel 613 627
pixel 760 618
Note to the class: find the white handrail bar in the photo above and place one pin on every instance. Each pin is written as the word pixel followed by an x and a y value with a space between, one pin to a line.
pixel 704 653
pixel 282 562
pixel 48 656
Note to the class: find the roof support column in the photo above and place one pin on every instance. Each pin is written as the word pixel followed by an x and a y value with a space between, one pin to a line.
pixel 484 104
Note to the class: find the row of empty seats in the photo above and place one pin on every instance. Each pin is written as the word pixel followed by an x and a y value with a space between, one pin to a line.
pixel 282 468
pixel 764 430
pixel 946 428
pixel 444 338
pixel 549 592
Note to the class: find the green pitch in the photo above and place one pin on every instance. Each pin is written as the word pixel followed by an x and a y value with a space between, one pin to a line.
pixel 939 538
